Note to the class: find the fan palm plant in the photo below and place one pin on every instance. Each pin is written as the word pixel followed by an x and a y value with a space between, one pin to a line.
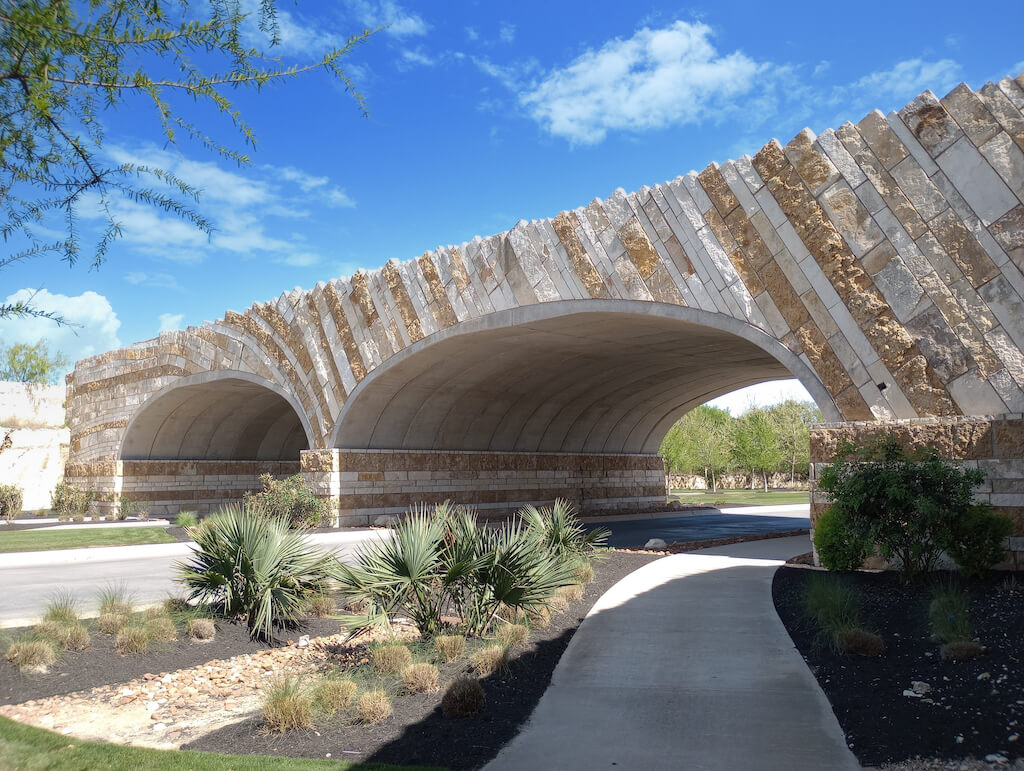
pixel 560 532
pixel 254 566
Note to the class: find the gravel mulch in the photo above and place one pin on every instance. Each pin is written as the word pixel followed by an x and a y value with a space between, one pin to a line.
pixel 416 733
pixel 967 711
pixel 100 664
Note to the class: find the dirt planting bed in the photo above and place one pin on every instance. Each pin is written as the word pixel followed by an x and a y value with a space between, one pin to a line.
pixel 910 703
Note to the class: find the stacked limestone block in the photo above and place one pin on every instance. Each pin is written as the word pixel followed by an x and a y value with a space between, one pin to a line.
pixel 887 255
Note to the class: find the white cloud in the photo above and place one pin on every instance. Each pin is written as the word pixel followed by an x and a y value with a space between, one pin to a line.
pixel 170 321
pixel 414 58
pixel 91 329
pixel 507 33
pixel 159 280
pixel 297 36
pixel 761 395
pixel 300 259
pixel 1016 69
pixel 306 182
pixel 905 80
pixel 339 199
pixel 654 79
pixel 472 34
pixel 397 21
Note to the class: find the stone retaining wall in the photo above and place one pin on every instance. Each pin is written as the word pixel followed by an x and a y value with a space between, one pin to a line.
pixel 32 416
pixel 168 487
pixel 995 444
pixel 365 484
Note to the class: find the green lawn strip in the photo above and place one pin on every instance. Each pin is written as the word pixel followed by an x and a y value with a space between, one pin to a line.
pixel 45 538
pixel 34 749
pixel 754 497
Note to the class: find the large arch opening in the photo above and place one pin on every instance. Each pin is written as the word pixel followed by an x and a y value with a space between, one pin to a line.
pixel 214 434
pixel 564 398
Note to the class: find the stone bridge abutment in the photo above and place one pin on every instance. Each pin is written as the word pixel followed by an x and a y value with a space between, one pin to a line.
pixel 881 264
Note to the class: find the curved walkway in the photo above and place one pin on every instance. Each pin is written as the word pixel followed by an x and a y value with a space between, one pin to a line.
pixel 684 664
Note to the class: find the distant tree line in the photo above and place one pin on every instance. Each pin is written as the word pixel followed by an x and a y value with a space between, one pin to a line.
pixel 762 441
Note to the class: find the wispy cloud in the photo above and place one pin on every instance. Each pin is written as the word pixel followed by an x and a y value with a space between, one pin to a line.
pixel 396 20
pixel 300 259
pixel 414 57
pixel 169 321
pixel 158 280
pixel 507 33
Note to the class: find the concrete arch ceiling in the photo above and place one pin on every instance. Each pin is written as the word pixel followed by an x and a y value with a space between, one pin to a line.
pixel 223 419
pixel 568 380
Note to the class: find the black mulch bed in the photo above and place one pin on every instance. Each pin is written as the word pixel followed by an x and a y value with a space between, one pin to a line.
pixel 100 664
pixel 974 708
pixel 417 734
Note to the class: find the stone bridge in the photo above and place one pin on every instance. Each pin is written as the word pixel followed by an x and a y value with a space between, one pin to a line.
pixel 880 264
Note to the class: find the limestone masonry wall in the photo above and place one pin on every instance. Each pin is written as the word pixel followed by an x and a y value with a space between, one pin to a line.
pixel 370 483
pixel 32 416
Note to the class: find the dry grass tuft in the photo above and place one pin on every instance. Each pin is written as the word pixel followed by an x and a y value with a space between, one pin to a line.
pixel 421 678
pixel 489 659
pixel 176 605
pixel 571 593
pixel 391 659
pixel 160 628
pixel 374 706
pixel 320 605
pixel 511 635
pixel 558 603
pixel 112 623
pixel 201 629
pixel 463 698
pixel 512 614
pixel 859 642
pixel 450 646
pixel 584 572
pixel 32 655
pixel 132 639
pixel 331 694
pixel 539 617
pixel 69 637
pixel 287 706
pixel 961 650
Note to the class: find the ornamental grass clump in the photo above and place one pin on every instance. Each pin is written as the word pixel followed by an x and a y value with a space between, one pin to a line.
pixel 114 599
pixel 32 655
pixel 132 640
pixel 835 608
pixel 320 605
pixel 62 608
pixel 201 629
pixel 489 659
pixel 463 698
pixel 511 635
pixel 450 647
pixel 254 566
pixel 287 706
pixel 374 706
pixel 186 519
pixel 332 694
pixel 112 623
pixel 161 629
pixel 951 622
pixel 64 636
pixel 421 678
pixel 391 659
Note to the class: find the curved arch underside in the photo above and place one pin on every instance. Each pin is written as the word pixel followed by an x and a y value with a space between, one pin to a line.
pixel 226 419
pixel 588 382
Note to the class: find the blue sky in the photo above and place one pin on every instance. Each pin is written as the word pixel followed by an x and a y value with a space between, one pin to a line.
pixel 482 114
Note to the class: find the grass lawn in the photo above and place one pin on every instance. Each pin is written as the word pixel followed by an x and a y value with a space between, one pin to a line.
pixel 26 747
pixel 45 538
pixel 733 497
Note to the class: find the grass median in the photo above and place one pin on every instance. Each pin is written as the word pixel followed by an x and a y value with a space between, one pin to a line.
pixel 23 746
pixel 45 539
pixel 743 497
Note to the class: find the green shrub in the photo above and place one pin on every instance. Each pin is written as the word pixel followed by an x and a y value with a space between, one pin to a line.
pixel 288 706
pixel 839 547
pixel 331 694
pixel 11 499
pixel 254 566
pixel 37 655
pixel 186 519
pixel 977 542
pixel 911 505
pixel 948 613
pixel 129 507
pixel 463 698
pixel 70 502
pixel 288 500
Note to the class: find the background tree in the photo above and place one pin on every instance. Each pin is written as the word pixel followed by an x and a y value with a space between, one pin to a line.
pixel 24 363
pixel 65 64
pixel 755 445
pixel 793 421
pixel 699 443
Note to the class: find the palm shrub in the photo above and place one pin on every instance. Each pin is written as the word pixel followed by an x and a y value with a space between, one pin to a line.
pixel 254 566
pixel 288 499
pixel 557 529
pixel 10 502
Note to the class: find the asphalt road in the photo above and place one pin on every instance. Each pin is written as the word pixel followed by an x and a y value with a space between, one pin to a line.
pixel 713 524
pixel 29 579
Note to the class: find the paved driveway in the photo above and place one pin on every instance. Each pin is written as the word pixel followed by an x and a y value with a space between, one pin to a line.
pixel 712 524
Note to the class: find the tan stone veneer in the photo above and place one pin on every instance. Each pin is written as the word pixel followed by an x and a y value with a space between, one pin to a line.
pixel 879 263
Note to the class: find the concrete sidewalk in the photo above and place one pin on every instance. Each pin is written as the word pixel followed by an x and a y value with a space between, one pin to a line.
pixel 684 664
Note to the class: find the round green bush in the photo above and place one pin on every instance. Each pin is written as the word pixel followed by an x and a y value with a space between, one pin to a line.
pixel 838 547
